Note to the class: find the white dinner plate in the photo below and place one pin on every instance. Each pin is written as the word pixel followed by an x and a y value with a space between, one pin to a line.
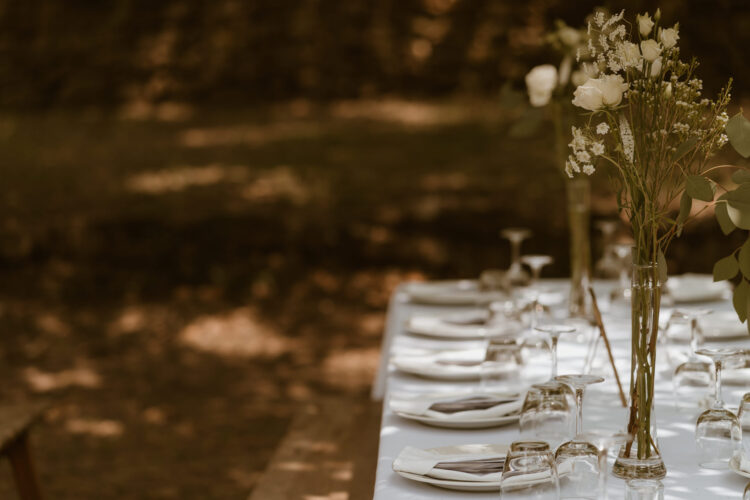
pixel 689 288
pixel 448 365
pixel 734 465
pixel 475 423
pixel 451 327
pixel 724 325
pixel 450 293
pixel 500 449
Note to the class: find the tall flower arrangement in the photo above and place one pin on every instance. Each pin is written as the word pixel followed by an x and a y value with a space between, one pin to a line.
pixel 649 123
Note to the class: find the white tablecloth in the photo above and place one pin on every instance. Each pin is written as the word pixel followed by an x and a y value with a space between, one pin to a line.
pixel 602 410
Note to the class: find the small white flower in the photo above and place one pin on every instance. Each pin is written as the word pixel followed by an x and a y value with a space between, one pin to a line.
pixel 540 82
pixel 645 24
pixel 583 156
pixel 656 67
pixel 650 50
pixel 629 55
pixel 723 139
pixel 597 148
pixel 588 169
pixel 626 136
pixel 669 37
pixel 599 18
pixel 602 128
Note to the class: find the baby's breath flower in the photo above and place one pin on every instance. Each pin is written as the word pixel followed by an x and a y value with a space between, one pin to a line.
pixel 588 169
pixel 602 128
pixel 597 148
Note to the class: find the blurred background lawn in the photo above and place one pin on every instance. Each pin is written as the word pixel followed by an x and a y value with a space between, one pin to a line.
pixel 204 207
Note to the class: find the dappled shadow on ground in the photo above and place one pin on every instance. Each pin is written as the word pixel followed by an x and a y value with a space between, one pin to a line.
pixel 175 288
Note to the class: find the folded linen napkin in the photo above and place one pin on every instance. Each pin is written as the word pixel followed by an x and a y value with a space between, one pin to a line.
pixel 423 462
pixel 464 363
pixel 430 325
pixel 421 406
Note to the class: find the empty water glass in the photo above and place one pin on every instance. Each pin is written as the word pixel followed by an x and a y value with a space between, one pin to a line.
pixel 546 414
pixel 529 473
pixel 501 364
pixel 694 378
pixel 644 489
pixel 516 275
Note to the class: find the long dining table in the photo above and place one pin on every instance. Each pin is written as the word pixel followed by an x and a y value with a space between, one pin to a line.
pixel 603 410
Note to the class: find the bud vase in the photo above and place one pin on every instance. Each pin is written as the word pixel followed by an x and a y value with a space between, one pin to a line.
pixel 579 217
pixel 640 457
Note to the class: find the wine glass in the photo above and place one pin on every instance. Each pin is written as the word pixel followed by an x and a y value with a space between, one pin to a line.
pixel 532 291
pixel 546 414
pixel 604 441
pixel 516 274
pixel 717 433
pixel 608 265
pixel 622 290
pixel 499 354
pixel 743 415
pixel 581 457
pixel 530 472
pixel 692 379
pixel 553 332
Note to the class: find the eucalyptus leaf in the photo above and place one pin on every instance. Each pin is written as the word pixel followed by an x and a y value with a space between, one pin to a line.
pixel 739 300
pixel 726 224
pixel 662 263
pixel 528 124
pixel 738 131
pixel 738 206
pixel 726 268
pixel 686 203
pixel 741 176
pixel 744 259
pixel 684 148
pixel 699 188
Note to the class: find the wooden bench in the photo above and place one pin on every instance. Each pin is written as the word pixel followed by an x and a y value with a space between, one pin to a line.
pixel 15 423
pixel 329 453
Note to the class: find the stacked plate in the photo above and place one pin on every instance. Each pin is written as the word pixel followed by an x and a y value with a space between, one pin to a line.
pixel 451 293
pixel 449 365
pixel 460 410
pixel 469 325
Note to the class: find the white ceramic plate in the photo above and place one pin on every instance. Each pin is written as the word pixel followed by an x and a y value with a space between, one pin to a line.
pixel 475 423
pixel 500 449
pixel 689 288
pixel 734 465
pixel 450 327
pixel 450 293
pixel 724 325
pixel 447 365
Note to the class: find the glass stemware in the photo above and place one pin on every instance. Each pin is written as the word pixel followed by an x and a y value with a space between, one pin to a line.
pixel 622 290
pixel 580 456
pixel 530 473
pixel 546 414
pixel 743 415
pixel 501 352
pixel 717 432
pixel 533 291
pixel 553 332
pixel 692 380
pixel 604 441
pixel 516 274
pixel 644 489
pixel 608 265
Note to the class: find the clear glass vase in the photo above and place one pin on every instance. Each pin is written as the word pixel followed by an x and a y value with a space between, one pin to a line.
pixel 640 458
pixel 579 217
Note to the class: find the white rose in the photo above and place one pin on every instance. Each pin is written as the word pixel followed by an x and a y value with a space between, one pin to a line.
pixel 668 90
pixel 540 82
pixel 612 88
pixel 569 36
pixel 656 68
pixel 588 96
pixel 645 24
pixel 669 37
pixel 650 49
pixel 629 54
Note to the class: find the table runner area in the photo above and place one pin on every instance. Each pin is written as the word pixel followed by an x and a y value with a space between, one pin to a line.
pixel 602 411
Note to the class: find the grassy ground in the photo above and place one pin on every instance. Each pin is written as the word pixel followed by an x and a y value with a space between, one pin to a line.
pixel 175 284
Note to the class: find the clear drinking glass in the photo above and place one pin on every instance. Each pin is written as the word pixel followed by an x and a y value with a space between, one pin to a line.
pixel 644 489
pixel 621 293
pixel 516 275
pixel 608 265
pixel 501 353
pixel 553 332
pixel 578 456
pixel 743 415
pixel 605 441
pixel 533 291
pixel 529 473
pixel 693 379
pixel 717 433
pixel 546 414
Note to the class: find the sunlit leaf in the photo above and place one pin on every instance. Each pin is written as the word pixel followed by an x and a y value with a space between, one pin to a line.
pixel 738 206
pixel 726 268
pixel 662 263
pixel 744 259
pixel 738 131
pixel 699 188
pixel 686 203
pixel 741 176
pixel 726 224
pixel 739 299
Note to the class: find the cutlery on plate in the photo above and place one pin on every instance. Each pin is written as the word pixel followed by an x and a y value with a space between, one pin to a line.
pixel 471 403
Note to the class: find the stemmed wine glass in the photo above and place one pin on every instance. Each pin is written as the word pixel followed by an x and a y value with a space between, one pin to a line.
pixel 604 441
pixel 581 457
pixel 694 377
pixel 717 433
pixel 529 472
pixel 535 263
pixel 516 274
pixel 608 265
pixel 553 332
pixel 622 291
